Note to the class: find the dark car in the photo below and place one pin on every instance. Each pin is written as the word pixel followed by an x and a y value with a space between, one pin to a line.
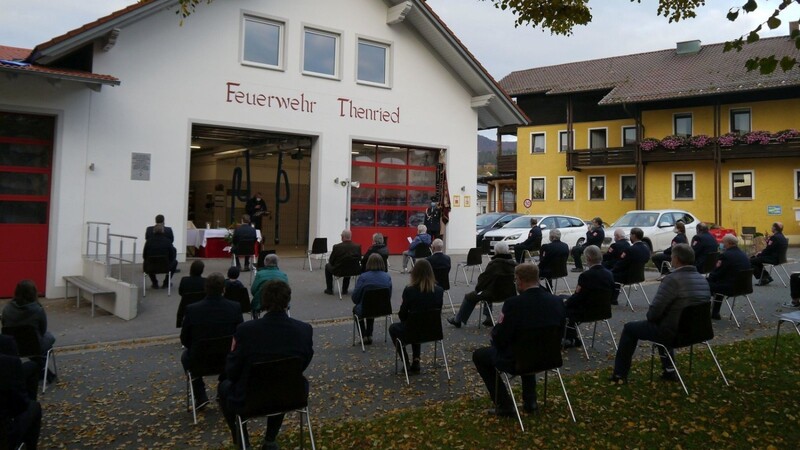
pixel 491 221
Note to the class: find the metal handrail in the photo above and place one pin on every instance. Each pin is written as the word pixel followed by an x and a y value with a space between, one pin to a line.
pixel 121 258
pixel 96 241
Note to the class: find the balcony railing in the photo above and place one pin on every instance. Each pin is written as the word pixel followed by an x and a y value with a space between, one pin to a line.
pixel 601 157
pixel 507 164
pixel 790 148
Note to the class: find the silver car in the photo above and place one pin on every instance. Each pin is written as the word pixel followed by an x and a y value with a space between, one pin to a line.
pixel 657 225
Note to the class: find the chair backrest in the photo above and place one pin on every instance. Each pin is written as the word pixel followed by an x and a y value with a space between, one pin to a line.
pixel 273 387
pixel 351 267
pixel 694 325
pixel 423 326
pixel 186 300
pixel 246 247
pixel 486 246
pixel 558 269
pixel 743 283
pixel 376 303
pixel 503 288
pixel 537 244
pixel 27 340
pixel 782 255
pixel 710 262
pixel 208 356
pixel 636 273
pixel 538 349
pixel 239 295
pixel 319 246
pixel 422 250
pixel 475 256
pixel 442 278
pixel 156 264
pixel 597 308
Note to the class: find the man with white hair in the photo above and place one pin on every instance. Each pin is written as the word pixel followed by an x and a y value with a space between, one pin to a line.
pixel 729 264
pixel 502 263
pixel 551 252
pixel 422 238
pixel 593 284
pixel 340 254
pixel 621 243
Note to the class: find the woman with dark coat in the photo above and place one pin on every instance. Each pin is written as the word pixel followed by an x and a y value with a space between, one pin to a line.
pixel 375 277
pixel 25 310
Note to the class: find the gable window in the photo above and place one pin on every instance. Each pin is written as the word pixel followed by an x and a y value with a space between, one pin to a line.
pixel 373 63
pixel 563 141
pixel 263 42
pixel 683 186
pixel 537 188
pixel 597 188
pixel 598 138
pixel 682 124
pixel 740 121
pixel 537 142
pixel 742 185
pixel 320 53
pixel 628 136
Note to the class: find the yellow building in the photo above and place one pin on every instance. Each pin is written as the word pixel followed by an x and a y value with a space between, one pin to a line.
pixel 587 150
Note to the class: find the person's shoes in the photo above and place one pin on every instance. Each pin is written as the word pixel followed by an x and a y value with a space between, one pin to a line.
pixel 270 445
pixel 616 379
pixel 367 340
pixel 487 323
pixel 414 367
pixel 328 291
pixel 531 409
pixel 501 411
pixel 575 269
pixel 791 305
pixel 716 316
pixel 669 375
pixel 454 322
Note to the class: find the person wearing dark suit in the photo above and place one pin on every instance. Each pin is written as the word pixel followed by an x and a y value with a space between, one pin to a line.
pixel 433 220
pixel 159 245
pixel 341 253
pixel 244 233
pixel 703 244
pixel 776 245
pixel 24 414
pixel 729 264
pixel 256 208
pixel 533 308
pixel 666 255
pixel 212 317
pixel 274 336
pixel 422 294
pixel 375 277
pixel 679 289
pixel 615 250
pixel 24 310
pixel 148 233
pixel 637 254
pixel 195 282
pixel 594 236
pixel 438 260
pixel 532 243
pixel 501 264
pixel 593 283
pixel 30 369
pixel 377 247
pixel 550 253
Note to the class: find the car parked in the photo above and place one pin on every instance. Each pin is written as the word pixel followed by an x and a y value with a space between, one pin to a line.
pixel 491 221
pixel 657 225
pixel 516 231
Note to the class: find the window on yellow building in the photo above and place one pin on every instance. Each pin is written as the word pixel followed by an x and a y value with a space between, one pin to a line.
pixel 627 185
pixel 537 142
pixel 742 185
pixel 566 188
pixel 683 186
pixel 682 124
pixel 537 188
pixel 740 121
pixel 598 138
pixel 628 136
pixel 508 199
pixel 597 188
pixel 563 141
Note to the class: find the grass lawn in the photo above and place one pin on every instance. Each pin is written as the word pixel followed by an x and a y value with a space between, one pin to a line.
pixel 760 409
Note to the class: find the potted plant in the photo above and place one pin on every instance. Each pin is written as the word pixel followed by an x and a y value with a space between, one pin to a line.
pixel 673 142
pixel 648 144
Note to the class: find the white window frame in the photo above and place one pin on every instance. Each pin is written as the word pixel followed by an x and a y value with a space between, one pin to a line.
pixel 622 187
pixel 560 196
pixel 589 136
pixel 622 134
pixel 560 132
pixel 694 186
pixel 685 113
pixel 544 189
pixel 735 110
pixel 752 184
pixel 280 23
pixel 544 147
pixel 388 66
pixel 589 187
pixel 337 35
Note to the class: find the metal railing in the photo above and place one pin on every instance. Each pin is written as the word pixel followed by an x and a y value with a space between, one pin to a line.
pixel 99 243
pixel 121 259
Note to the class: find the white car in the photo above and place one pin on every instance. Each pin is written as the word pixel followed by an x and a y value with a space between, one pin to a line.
pixel 657 225
pixel 516 231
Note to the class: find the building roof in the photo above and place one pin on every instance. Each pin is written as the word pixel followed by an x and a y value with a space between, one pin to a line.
pixel 13 61
pixel 495 107
pixel 660 75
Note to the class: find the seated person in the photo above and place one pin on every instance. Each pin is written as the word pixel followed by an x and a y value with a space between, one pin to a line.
pixel 25 310
pixel 592 284
pixel 621 243
pixel 375 277
pixel 666 254
pixel 30 369
pixel 532 243
pixel 378 247
pixel 195 282
pixel 150 231
pixel 22 413
pixel 550 253
pixel 214 316
pixel 438 260
pixel 232 282
pixel 501 264
pixel 776 244
pixel 243 233
pixel 637 254
pixel 159 245
pixel 703 244
pixel 341 254
pixel 594 236
pixel 422 238
pixel 721 279
pixel 269 272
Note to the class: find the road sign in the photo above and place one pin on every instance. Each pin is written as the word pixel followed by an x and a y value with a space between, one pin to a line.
pixel 527 203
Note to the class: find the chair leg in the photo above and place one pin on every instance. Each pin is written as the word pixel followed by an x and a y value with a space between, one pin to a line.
pixel 751 307
pixel 627 297
pixel 502 376
pixel 612 334
pixel 567 284
pixel 399 349
pixel 730 308
pixel 310 431
pixel 356 325
pixel 451 301
pixel 144 289
pixel 645 294
pixel 583 342
pixel 674 366
pixel 717 363
pixel 193 405
pixel 775 269
pixel 240 423
pixel 46 368
pixel 338 286
pixel 566 396
pixel 444 358
pixel 455 280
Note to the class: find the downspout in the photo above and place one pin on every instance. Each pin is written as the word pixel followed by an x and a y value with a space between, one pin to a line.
pixel 717 167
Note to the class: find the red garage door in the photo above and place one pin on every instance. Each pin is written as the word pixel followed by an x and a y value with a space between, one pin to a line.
pixel 26 154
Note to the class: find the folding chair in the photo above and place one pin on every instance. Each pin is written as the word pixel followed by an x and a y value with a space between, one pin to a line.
pixel 474 259
pixel 246 249
pixel 528 254
pixel 774 268
pixel 536 350
pixel 350 268
pixel 422 250
pixel 208 358
pixel 558 271
pixel 443 280
pixel 709 264
pixel 241 296
pixel 375 304
pixel 29 346
pixel 694 327
pixel 597 310
pixel 635 276
pixel 275 387
pixel 421 327
pixel 157 265
pixel 186 300
pixel 502 288
pixel 742 287
pixel 792 318
pixel 318 247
